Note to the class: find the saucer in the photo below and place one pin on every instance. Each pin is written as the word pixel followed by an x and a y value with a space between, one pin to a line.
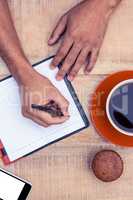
pixel 98 109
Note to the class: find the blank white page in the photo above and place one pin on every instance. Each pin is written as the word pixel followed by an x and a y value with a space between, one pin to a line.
pixel 20 135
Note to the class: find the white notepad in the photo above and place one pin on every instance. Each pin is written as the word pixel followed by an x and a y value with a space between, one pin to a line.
pixel 21 136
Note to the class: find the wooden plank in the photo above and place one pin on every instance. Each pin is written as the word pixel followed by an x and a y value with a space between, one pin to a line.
pixel 35 19
pixel 64 173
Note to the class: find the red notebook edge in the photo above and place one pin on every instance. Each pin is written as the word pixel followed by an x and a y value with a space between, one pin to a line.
pixel 3 154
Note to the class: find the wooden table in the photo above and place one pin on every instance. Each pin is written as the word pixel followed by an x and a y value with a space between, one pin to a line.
pixel 62 170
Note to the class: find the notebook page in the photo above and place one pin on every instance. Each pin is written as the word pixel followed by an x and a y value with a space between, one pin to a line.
pixel 20 135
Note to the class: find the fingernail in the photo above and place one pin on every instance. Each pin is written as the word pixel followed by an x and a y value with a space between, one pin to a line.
pixel 52 66
pixel 70 78
pixel 59 78
pixel 87 72
pixel 50 41
pixel 66 114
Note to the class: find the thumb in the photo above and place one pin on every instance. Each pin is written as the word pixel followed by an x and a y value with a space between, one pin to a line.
pixel 63 104
pixel 58 31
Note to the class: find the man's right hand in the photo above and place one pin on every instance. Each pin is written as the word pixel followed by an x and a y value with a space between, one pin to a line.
pixel 34 88
pixel 37 89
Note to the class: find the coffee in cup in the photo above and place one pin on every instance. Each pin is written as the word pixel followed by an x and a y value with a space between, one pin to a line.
pixel 119 107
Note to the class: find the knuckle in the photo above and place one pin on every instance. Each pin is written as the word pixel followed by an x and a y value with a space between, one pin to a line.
pixel 85 42
pixel 90 42
pixel 94 44
pixel 99 37
pixel 49 122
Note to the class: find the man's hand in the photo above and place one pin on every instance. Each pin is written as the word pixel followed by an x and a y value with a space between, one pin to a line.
pixel 84 27
pixel 34 88
pixel 37 89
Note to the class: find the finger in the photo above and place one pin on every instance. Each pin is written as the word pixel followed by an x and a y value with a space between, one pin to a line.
pixel 41 123
pixel 48 119
pixel 79 63
pixel 63 104
pixel 58 31
pixel 34 114
pixel 36 120
pixel 69 61
pixel 93 59
pixel 62 52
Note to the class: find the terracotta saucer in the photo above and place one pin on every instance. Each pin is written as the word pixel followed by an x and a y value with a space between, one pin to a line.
pixel 98 109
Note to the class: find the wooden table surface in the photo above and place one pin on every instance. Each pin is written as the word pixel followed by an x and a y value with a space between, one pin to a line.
pixel 62 170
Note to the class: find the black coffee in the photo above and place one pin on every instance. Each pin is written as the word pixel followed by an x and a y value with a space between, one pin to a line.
pixel 121 107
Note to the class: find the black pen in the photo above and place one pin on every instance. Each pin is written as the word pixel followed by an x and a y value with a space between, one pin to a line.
pixel 39 107
pixel 51 108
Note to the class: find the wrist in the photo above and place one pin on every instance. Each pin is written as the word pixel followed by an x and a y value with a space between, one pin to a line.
pixel 26 75
pixel 18 65
pixel 110 5
pixel 23 74
pixel 113 3
pixel 21 69
pixel 104 7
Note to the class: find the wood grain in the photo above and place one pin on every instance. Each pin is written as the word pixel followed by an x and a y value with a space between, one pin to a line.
pixel 62 171
pixel 35 19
